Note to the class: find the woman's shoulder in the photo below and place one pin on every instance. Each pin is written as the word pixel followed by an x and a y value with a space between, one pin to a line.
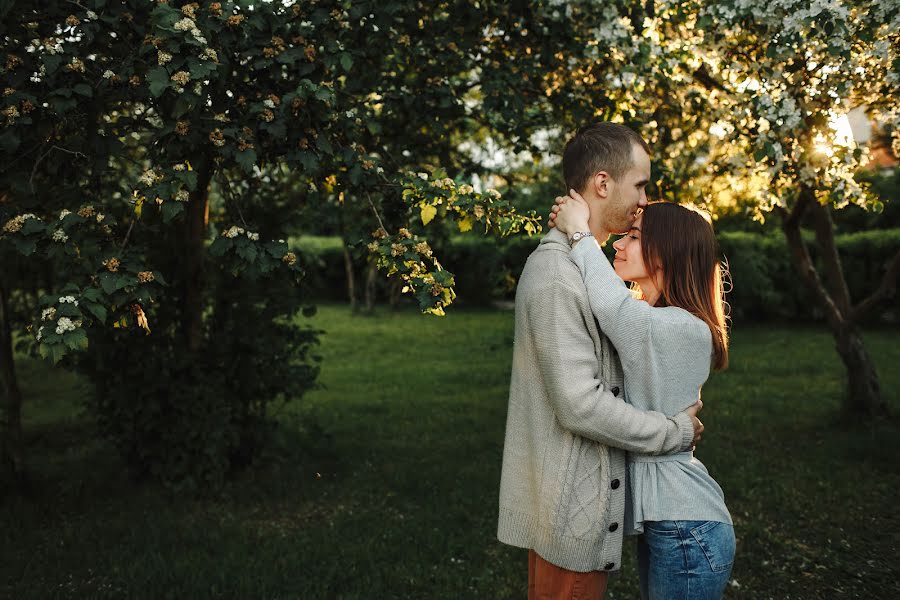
pixel 675 319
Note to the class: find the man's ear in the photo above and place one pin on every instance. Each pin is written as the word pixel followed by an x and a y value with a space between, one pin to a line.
pixel 601 184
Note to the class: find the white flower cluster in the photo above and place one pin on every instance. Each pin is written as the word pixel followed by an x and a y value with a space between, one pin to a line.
pixel 68 300
pixel 60 236
pixel 107 74
pixel 16 223
pixel 40 333
pixel 235 231
pixel 64 213
pixel 781 114
pixel 187 24
pixel 149 177
pixel 444 184
pixel 91 15
pixel 182 196
pixel 48 314
pixel 616 31
pixel 66 324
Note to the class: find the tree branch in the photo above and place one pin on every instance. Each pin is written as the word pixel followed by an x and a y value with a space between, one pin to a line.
pixel 886 290
pixel 807 270
pixel 44 155
pixel 830 258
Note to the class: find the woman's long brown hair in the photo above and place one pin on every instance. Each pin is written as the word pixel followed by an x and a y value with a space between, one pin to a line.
pixel 680 242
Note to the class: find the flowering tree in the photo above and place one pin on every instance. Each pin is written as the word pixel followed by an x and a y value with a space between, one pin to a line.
pixel 738 98
pixel 135 137
pixel 768 82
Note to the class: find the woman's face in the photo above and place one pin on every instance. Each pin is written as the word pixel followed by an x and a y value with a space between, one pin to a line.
pixel 629 260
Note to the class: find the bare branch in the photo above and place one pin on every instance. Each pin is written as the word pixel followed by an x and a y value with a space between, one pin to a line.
pixel 374 210
pixel 44 155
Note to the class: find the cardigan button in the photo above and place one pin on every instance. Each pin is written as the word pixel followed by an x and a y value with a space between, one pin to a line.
pixel 614 484
pixel 613 527
pixel 608 566
pixel 615 390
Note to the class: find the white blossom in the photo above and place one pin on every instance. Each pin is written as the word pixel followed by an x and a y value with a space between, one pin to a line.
pixel 64 324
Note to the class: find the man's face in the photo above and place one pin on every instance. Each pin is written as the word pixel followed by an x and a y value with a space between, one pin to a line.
pixel 627 194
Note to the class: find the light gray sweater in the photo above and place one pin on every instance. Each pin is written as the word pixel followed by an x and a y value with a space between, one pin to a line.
pixel 562 487
pixel 666 355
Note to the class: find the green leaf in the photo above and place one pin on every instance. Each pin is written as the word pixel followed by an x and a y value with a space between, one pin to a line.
pixel 98 310
pixel 246 159
pixel 158 79
pixel 324 145
pixel 24 246
pixel 346 60
pixel 123 281
pixel 309 161
pixel 189 178
pixel 220 246
pixel 171 209
pixel 92 294
pixel 76 340
pixel 83 89
pixel 9 141
pixel 247 252
pixel 108 283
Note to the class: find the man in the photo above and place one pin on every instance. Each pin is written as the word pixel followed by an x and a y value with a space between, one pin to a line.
pixel 562 488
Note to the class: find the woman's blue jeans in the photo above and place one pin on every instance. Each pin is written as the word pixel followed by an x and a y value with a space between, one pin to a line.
pixel 685 560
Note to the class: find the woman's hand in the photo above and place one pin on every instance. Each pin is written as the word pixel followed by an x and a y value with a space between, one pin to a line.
pixel 570 213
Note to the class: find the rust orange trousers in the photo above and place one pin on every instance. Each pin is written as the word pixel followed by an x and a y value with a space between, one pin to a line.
pixel 546 581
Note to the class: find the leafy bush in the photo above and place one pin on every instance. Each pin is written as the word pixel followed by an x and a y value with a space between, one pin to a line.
pixel 764 282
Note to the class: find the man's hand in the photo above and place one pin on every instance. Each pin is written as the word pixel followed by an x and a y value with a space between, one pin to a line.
pixel 698 425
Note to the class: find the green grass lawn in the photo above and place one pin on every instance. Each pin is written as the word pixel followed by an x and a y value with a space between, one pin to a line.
pixel 387 485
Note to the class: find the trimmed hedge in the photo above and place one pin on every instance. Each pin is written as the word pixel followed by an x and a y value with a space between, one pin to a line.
pixel 765 284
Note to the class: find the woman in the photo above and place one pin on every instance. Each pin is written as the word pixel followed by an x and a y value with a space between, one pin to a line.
pixel 669 330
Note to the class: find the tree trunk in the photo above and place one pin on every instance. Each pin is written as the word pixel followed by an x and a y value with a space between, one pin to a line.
pixel 371 275
pixel 351 276
pixel 863 399
pixel 194 235
pixel 12 450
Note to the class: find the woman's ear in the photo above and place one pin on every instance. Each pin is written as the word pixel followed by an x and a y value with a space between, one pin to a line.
pixel 601 184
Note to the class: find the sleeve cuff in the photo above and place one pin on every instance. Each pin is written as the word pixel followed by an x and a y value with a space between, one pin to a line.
pixel 686 427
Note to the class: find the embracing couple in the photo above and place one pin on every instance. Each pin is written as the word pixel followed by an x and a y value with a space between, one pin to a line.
pixel 606 385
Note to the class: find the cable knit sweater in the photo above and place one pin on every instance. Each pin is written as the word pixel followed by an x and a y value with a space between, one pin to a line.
pixel 562 487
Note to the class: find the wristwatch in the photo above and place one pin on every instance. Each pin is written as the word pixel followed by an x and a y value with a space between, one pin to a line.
pixel 579 235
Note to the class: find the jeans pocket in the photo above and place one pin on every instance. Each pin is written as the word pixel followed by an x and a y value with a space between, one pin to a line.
pixel 717 542
pixel 667 528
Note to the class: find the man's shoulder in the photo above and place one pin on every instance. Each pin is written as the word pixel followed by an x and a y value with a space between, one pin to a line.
pixel 550 266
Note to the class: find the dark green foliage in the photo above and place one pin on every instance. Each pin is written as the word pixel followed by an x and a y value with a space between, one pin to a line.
pixel 187 418
pixel 763 279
